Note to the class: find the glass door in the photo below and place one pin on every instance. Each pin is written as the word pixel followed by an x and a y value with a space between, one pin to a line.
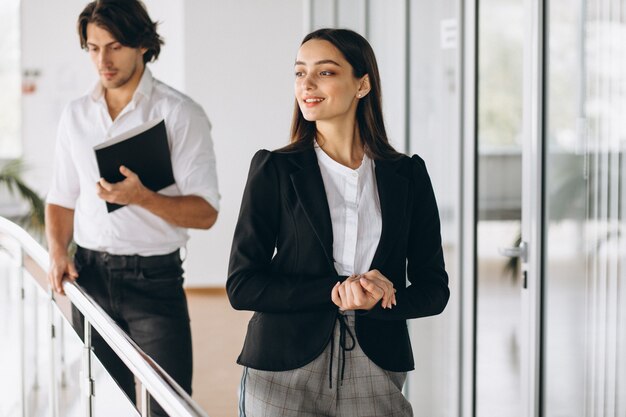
pixel 510 210
pixel 499 148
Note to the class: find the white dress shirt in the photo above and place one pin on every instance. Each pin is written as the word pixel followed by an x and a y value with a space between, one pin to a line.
pixel 130 230
pixel 354 212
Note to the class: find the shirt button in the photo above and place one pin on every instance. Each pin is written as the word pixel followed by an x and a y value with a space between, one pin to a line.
pixel 354 174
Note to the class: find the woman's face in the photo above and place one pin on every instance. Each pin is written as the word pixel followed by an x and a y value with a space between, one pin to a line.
pixel 325 86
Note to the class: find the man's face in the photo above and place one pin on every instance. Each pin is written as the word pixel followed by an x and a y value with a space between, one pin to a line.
pixel 115 63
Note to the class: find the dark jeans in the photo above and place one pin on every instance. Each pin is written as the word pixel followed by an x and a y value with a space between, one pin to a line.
pixel 145 297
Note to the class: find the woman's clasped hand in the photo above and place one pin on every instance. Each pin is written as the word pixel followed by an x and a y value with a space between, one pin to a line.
pixel 364 291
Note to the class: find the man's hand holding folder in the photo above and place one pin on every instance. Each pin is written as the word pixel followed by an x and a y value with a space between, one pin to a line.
pixel 132 163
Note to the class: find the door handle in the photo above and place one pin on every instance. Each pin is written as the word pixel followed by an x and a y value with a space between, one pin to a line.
pixel 520 251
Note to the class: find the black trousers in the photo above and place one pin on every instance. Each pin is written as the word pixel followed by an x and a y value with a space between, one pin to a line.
pixel 145 297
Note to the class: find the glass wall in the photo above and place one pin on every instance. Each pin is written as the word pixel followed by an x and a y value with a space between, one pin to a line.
pixel 585 285
pixel 499 195
pixel 433 126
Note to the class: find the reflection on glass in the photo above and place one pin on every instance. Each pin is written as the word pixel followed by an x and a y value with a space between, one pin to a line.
pixel 585 300
pixel 498 297
pixel 565 266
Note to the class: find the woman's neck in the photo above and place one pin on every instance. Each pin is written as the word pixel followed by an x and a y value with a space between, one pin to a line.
pixel 341 142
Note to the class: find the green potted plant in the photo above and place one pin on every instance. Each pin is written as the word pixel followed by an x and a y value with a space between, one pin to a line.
pixel 11 179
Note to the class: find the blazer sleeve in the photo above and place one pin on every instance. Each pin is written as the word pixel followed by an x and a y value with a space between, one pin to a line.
pixel 252 284
pixel 427 293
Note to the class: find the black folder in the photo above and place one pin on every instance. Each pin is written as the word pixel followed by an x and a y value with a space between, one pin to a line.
pixel 144 150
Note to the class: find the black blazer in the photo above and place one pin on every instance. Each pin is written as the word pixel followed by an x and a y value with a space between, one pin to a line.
pixel 281 262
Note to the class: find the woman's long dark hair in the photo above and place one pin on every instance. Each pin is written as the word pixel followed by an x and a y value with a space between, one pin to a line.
pixel 369 114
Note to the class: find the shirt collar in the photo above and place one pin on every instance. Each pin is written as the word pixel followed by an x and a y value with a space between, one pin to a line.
pixel 335 166
pixel 144 88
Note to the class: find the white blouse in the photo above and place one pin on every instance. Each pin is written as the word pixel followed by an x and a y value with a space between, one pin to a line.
pixel 354 211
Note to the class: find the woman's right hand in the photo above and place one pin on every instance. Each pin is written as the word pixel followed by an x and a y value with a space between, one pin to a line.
pixel 363 292
pixel 352 295
pixel 377 278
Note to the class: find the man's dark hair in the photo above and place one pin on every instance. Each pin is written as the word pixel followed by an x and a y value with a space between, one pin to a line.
pixel 127 21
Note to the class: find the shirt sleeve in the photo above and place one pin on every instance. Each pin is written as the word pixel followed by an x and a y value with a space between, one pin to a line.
pixel 193 158
pixel 65 185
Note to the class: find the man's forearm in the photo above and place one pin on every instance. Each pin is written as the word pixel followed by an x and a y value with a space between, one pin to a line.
pixel 59 228
pixel 183 211
pixel 188 211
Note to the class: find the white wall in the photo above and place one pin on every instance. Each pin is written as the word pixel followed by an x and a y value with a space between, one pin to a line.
pixel 50 45
pixel 239 67
pixel 235 58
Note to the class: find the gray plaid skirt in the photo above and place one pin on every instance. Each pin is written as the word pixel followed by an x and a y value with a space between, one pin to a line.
pixel 342 381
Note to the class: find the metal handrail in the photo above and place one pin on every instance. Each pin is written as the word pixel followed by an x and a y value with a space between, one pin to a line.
pixel 172 398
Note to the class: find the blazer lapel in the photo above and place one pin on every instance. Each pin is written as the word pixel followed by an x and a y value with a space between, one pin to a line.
pixel 309 187
pixel 393 192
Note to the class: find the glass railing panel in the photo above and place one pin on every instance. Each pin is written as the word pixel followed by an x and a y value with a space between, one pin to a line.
pixel 9 331
pixel 69 359
pixel 66 355
pixel 109 399
pixel 35 348
pixel 44 352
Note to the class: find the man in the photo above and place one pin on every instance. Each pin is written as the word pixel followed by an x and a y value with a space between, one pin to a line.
pixel 128 260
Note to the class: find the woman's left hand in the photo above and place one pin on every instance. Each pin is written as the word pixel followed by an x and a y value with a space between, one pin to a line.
pixel 356 293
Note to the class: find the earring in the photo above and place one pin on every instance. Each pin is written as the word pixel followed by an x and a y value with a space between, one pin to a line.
pixel 359 95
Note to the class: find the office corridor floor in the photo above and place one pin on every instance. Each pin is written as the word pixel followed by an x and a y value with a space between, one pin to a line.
pixel 218 332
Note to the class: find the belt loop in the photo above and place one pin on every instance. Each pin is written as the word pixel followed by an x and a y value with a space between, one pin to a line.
pixel 84 253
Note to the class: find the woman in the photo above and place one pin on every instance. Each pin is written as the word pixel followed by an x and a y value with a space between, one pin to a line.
pixel 329 229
